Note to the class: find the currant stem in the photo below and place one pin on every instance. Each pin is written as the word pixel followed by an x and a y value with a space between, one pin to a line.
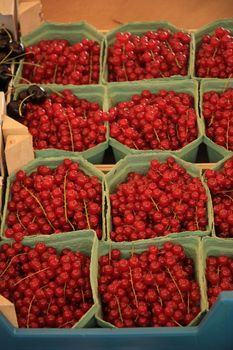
pixel 65 290
pixel 174 281
pixel 23 54
pixel 10 263
pixel 162 75
pixel 152 55
pixel 188 303
pixel 158 291
pixel 211 120
pixel 49 304
pixel 29 311
pixel 177 132
pixel 64 324
pixel 154 203
pixel 71 134
pixel 176 60
pixel 227 133
pixel 157 138
pixel 178 324
pixel 226 195
pixel 213 56
pixel 64 195
pixel 28 276
pixel 135 145
pixel 41 206
pixel 3 60
pixel 119 308
pixel 55 91
pixel 83 297
pixel 21 104
pixel 131 281
pixel 55 74
pixel 196 219
pixel 65 202
pixel 19 220
pixel 13 76
pixel 123 65
pixel 90 74
pixel 86 214
pixel 227 191
pixel 23 62
pixel 7 32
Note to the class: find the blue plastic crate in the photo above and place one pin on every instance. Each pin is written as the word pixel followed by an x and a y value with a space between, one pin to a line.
pixel 214 332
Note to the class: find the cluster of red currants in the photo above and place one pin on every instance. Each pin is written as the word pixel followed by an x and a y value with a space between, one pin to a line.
pixel 150 289
pixel 154 54
pixel 55 200
pixel 219 276
pixel 165 200
pixel 57 61
pixel 48 289
pixel 165 120
pixel 64 121
pixel 214 57
pixel 217 109
pixel 220 183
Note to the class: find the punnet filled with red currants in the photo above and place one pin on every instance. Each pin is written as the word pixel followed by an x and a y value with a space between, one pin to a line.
pixel 150 285
pixel 214 45
pixel 63 54
pixel 59 62
pixel 217 111
pixel 157 117
pixel 218 264
pixel 68 120
pixel 52 196
pixel 220 183
pixel 147 54
pixel 49 282
pixel 153 196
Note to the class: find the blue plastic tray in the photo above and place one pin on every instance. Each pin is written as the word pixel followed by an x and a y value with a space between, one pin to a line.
pixel 213 333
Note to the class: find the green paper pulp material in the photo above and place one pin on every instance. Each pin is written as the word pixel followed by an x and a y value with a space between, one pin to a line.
pixel 87 243
pixel 218 167
pixel 73 32
pixel 52 163
pixel 207 29
pixel 191 246
pixel 93 93
pixel 215 151
pixel 124 91
pixel 139 28
pixel 214 247
pixel 141 164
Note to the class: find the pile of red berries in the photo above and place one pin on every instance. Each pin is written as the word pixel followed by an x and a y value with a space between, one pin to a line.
pixel 151 289
pixel 217 109
pixel 154 54
pixel 165 200
pixel 214 55
pixel 220 183
pixel 219 275
pixel 53 201
pixel 64 121
pixel 165 120
pixel 57 61
pixel 48 289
